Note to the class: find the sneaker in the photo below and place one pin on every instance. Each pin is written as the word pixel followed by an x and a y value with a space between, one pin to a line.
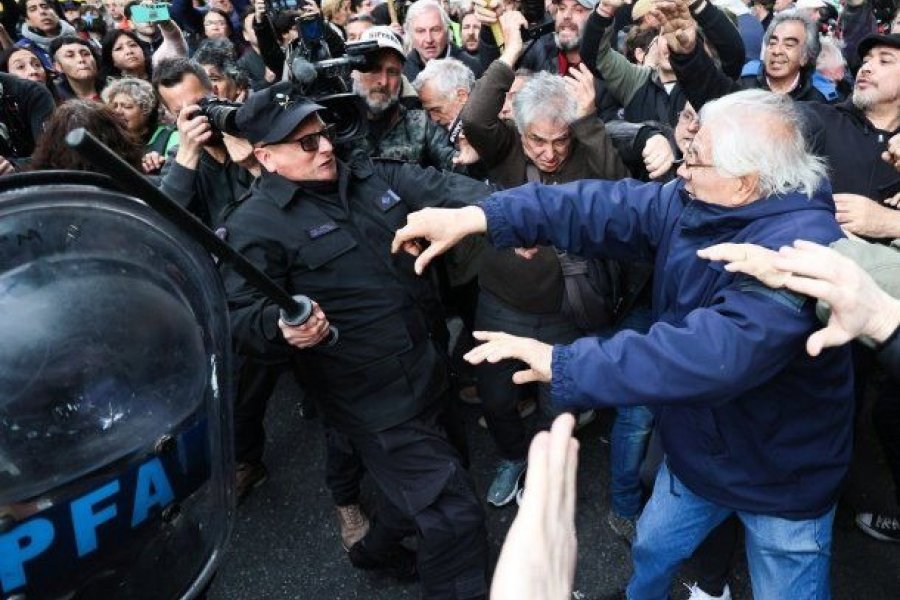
pixel 354 525
pixel 699 594
pixel 506 482
pixel 248 477
pixel 623 527
pixel 526 408
pixel 469 395
pixel 881 526
pixel 398 562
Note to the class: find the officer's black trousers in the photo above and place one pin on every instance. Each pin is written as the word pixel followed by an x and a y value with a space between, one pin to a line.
pixel 254 383
pixel 420 476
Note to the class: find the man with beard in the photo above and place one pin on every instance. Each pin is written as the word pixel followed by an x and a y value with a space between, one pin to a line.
pixel 561 54
pixel 471 33
pixel 428 31
pixel 395 131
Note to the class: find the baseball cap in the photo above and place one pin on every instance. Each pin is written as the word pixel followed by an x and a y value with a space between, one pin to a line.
pixel 386 39
pixel 878 39
pixel 270 115
pixel 591 4
pixel 640 8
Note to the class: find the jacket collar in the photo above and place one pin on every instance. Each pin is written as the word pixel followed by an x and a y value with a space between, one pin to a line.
pixel 701 217
pixel 283 191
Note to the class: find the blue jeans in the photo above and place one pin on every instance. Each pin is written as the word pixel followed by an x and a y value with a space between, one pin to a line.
pixel 787 559
pixel 629 436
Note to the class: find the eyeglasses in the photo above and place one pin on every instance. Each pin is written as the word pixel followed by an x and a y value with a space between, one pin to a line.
pixel 691 117
pixel 311 141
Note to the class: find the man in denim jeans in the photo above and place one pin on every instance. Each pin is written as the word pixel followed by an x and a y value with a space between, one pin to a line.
pixel 751 425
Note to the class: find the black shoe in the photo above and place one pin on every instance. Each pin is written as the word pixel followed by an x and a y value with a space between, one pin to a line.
pixel 397 562
pixel 249 476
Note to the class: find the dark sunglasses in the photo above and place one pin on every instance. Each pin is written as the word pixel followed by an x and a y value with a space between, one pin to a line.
pixel 310 142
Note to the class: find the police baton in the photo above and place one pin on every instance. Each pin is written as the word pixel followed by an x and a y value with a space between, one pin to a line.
pixel 295 310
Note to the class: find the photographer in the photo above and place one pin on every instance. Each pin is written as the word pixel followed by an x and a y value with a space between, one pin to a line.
pixel 201 175
pixel 383 384
pixel 395 131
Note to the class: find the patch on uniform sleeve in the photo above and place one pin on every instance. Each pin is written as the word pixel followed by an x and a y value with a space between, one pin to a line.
pixel 320 230
pixel 389 200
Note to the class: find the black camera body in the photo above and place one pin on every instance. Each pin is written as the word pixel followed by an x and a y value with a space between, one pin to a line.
pixel 221 114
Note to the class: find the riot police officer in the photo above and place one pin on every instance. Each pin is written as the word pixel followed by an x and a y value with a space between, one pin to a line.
pixel 323 227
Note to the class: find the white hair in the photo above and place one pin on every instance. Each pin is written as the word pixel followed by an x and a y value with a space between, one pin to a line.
pixel 830 56
pixel 759 132
pixel 419 8
pixel 446 75
pixel 812 46
pixel 544 96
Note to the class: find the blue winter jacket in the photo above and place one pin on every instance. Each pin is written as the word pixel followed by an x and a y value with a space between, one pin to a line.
pixel 748 420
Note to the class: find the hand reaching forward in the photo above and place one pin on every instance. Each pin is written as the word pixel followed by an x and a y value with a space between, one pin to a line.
pixel 442 227
pixel 501 346
pixel 678 25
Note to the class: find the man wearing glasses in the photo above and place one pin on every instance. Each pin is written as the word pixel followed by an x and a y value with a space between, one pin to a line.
pixel 322 227
pixel 750 424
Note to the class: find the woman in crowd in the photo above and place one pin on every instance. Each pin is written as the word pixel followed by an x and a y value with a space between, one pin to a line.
pixel 217 25
pixel 336 13
pixel 122 54
pixel 23 63
pixel 52 152
pixel 135 104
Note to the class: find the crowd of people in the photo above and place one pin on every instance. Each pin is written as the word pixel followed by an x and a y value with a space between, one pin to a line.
pixel 636 208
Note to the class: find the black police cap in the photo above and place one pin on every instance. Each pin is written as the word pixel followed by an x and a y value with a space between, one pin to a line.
pixel 270 115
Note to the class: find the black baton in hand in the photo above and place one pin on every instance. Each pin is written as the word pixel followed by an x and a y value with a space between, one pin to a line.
pixel 295 310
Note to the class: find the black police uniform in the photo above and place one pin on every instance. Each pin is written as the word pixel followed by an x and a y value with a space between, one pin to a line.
pixel 384 384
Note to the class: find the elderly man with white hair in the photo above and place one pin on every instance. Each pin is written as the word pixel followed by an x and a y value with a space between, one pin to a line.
pixel 443 87
pixel 750 423
pixel 427 29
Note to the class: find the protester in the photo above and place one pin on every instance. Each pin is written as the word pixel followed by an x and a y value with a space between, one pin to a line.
pixel 76 61
pixel 229 82
pixel 135 103
pixel 251 61
pixel 52 152
pixel 23 63
pixel 122 54
pixel 356 25
pixel 443 87
pixel 42 25
pixel 732 445
pixel 555 139
pixel 427 28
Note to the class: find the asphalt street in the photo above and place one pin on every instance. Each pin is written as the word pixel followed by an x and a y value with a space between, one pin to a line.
pixel 285 543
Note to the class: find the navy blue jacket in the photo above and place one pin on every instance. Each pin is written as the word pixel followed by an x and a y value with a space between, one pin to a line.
pixel 748 420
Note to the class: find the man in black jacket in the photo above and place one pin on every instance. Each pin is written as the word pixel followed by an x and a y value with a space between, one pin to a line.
pixel 323 227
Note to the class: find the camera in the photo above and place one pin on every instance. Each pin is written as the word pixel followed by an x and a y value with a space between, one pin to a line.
pixel 221 115
pixel 318 75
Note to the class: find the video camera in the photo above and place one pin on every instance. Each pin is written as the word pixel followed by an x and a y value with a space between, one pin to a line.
pixel 315 75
